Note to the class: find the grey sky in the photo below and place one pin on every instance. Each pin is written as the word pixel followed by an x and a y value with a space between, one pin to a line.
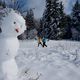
pixel 39 6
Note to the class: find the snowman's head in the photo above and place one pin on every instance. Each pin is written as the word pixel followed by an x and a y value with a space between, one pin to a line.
pixel 13 24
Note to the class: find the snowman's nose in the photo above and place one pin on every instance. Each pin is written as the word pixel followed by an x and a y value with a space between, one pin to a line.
pixel 17 30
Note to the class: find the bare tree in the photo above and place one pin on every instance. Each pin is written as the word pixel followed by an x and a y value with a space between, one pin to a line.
pixel 18 5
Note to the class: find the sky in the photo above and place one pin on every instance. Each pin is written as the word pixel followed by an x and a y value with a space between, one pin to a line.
pixel 39 6
pixel 68 5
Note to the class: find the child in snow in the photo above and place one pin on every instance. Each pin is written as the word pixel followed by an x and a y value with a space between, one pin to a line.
pixel 39 41
pixel 44 42
pixel 39 38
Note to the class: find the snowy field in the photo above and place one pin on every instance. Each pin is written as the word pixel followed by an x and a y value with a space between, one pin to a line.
pixel 59 61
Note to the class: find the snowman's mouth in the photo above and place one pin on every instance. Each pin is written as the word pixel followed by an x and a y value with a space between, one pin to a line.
pixel 17 30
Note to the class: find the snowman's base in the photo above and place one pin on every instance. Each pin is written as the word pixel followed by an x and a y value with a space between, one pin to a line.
pixel 10 70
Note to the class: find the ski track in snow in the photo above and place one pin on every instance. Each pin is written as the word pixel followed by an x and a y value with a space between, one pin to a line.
pixel 59 61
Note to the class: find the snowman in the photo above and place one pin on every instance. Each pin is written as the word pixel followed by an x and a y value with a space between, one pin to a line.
pixel 12 25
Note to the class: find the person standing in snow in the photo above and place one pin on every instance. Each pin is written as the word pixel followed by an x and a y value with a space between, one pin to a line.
pixel 44 42
pixel 39 41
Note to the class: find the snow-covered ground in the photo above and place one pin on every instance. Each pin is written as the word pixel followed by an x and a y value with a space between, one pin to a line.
pixel 59 61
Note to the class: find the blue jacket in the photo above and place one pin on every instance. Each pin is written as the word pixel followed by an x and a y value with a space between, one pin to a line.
pixel 44 40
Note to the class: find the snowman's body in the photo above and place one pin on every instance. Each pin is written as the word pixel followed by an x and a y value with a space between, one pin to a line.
pixel 12 25
pixel 9 47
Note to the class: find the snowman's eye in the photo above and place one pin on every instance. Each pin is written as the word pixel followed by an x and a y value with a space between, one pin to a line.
pixel 14 22
pixel 0 30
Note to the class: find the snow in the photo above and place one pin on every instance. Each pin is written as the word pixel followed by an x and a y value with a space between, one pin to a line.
pixel 9 43
pixel 59 61
pixel 10 68
pixel 8 23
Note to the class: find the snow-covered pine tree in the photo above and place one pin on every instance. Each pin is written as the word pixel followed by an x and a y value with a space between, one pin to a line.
pixel 30 22
pixel 51 18
pixel 61 22
pixel 40 29
pixel 76 15
pixel 46 19
pixel 63 29
pixel 76 19
pixel 54 18
pixel 2 4
pixel 30 19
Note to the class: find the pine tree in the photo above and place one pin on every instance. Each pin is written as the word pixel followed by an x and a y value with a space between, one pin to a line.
pixel 3 4
pixel 47 19
pixel 76 15
pixel 52 16
pixel 30 22
pixel 64 27
pixel 68 26
pixel 30 19
pixel 62 22
pixel 40 29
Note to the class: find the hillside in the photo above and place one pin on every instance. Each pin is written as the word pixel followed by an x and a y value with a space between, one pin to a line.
pixel 59 61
